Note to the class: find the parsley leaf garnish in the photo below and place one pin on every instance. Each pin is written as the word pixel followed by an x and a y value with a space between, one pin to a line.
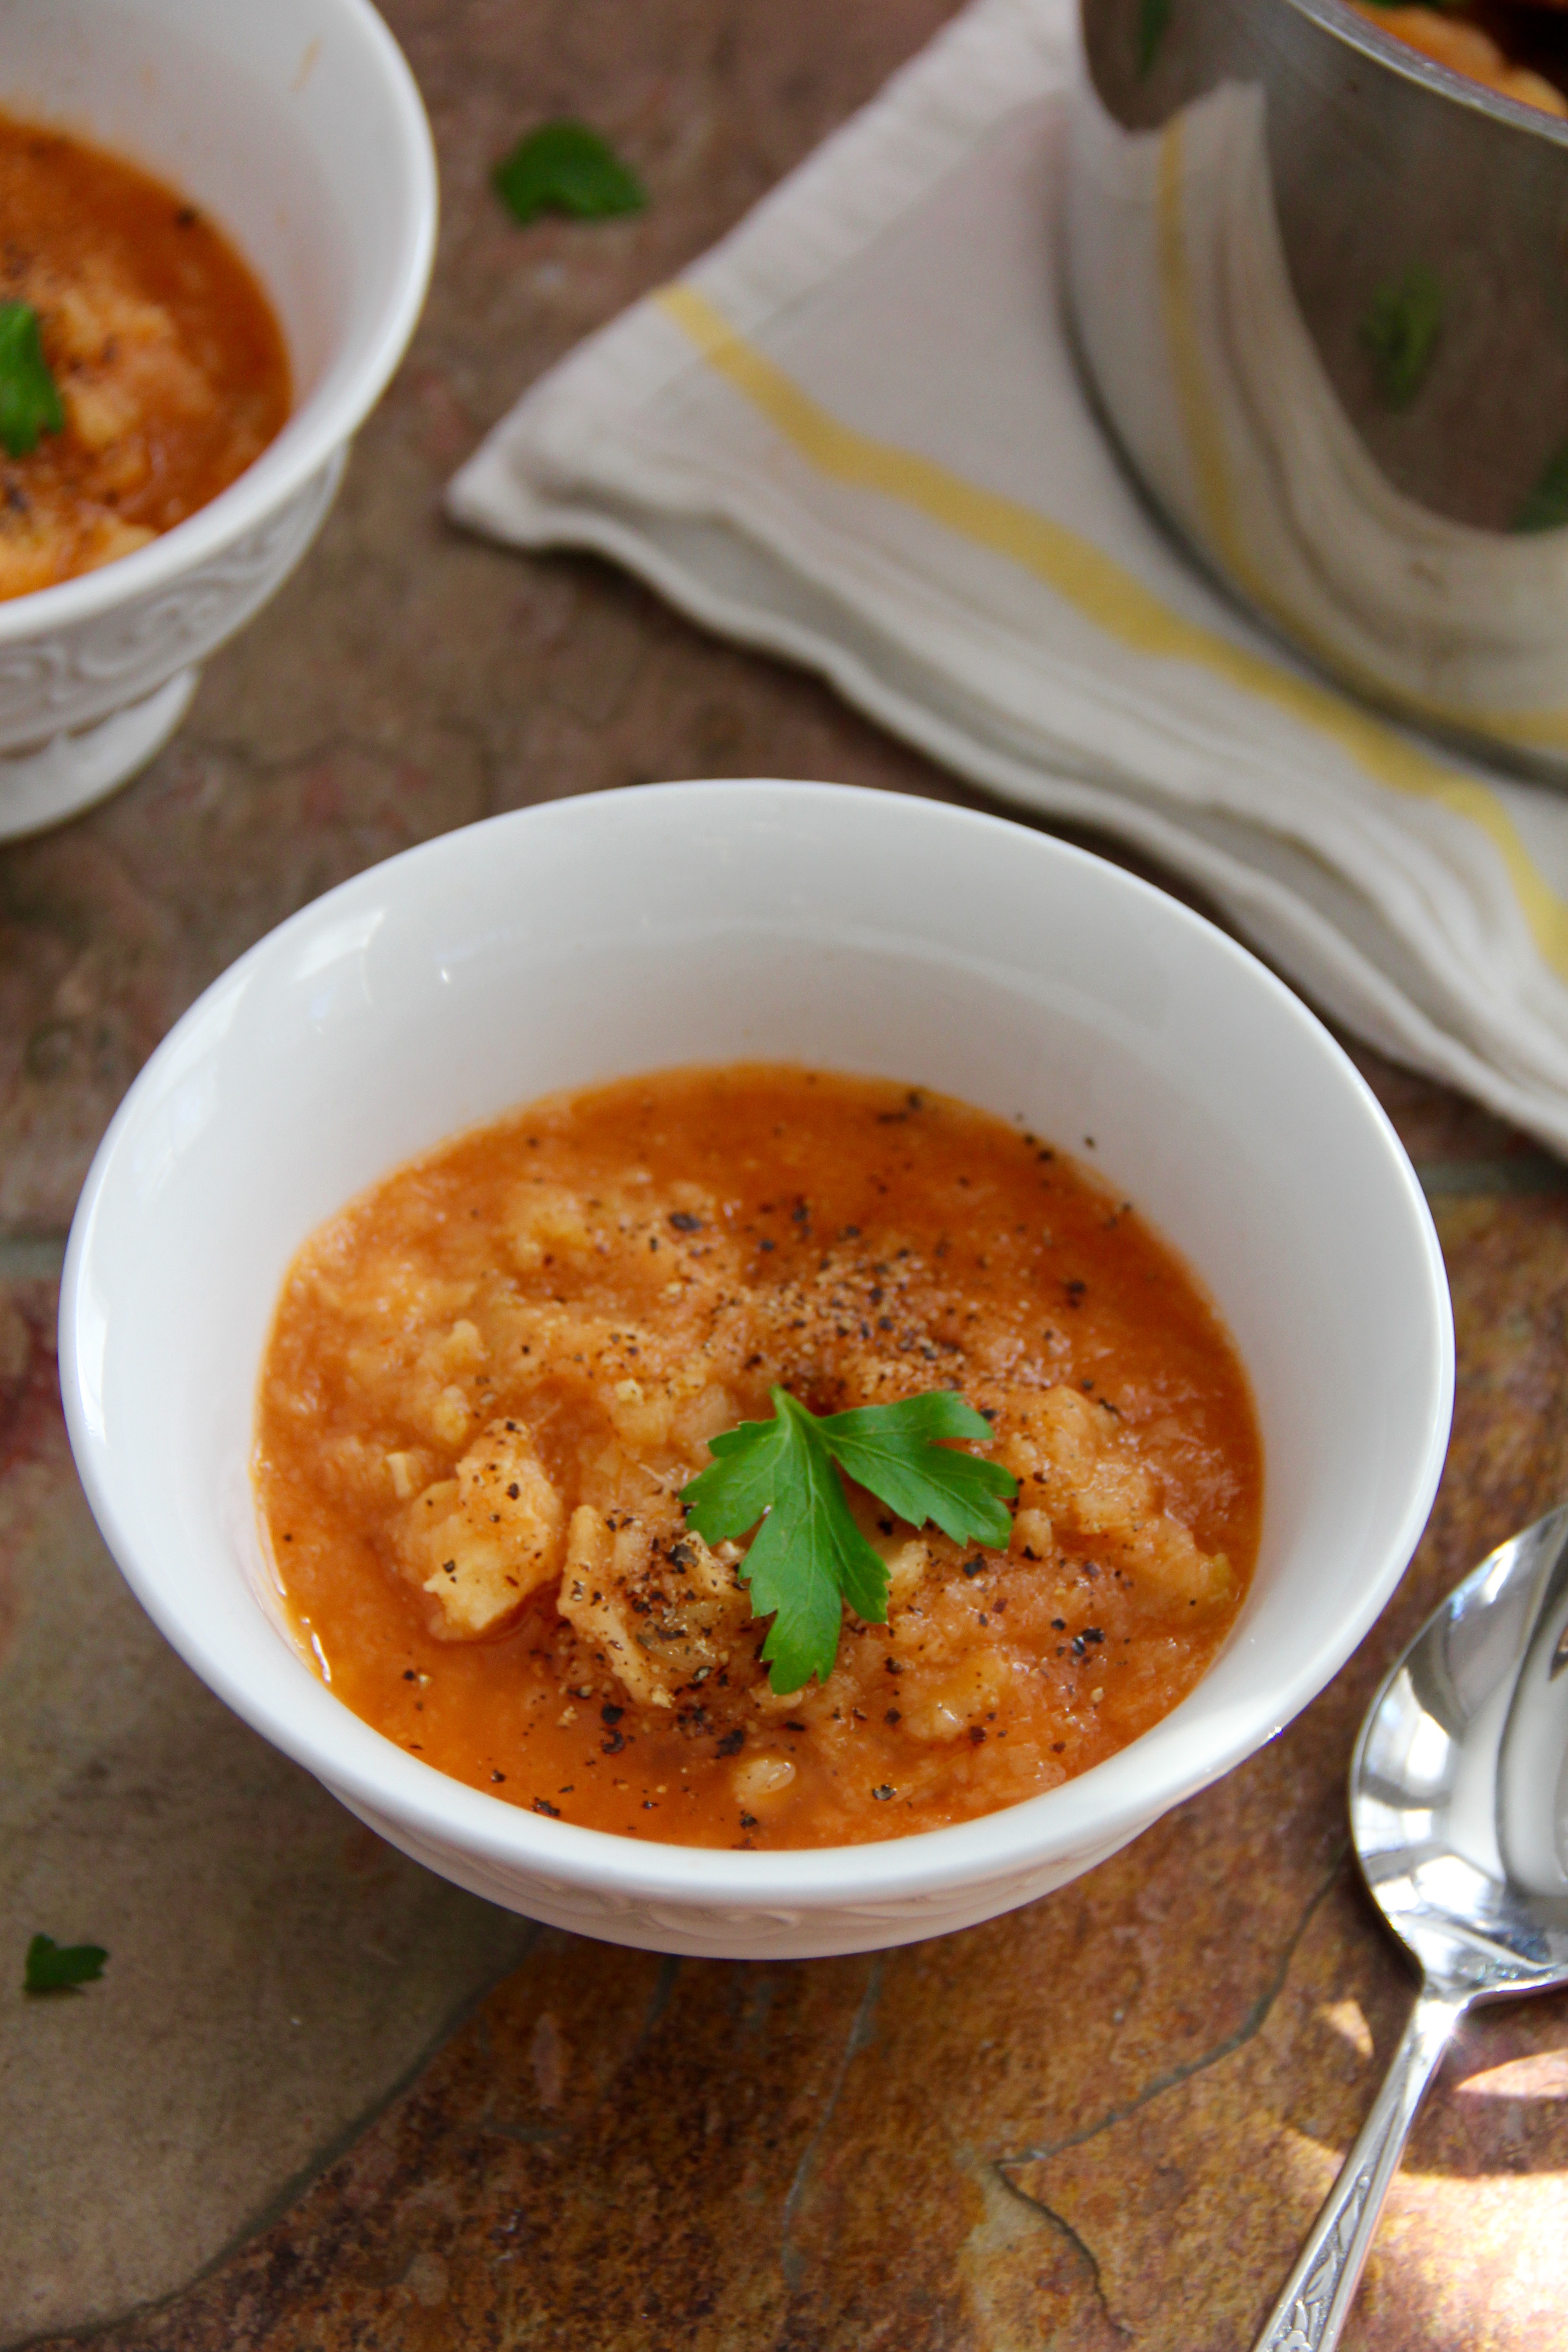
pixel 29 404
pixel 564 167
pixel 61 1967
pixel 808 1557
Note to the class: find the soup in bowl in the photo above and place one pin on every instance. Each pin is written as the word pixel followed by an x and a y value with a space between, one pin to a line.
pixel 754 1456
pixel 887 945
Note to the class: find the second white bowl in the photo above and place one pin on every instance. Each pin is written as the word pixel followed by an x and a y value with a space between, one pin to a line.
pixel 297 128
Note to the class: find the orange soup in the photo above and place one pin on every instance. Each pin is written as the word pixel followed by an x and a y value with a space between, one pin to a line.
pixel 169 363
pixel 489 1378
pixel 1468 49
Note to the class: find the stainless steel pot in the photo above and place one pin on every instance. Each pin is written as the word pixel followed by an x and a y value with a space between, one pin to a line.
pixel 1321 285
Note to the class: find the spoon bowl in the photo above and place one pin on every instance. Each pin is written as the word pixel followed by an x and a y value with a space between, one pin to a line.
pixel 1459 1801
pixel 1460 1781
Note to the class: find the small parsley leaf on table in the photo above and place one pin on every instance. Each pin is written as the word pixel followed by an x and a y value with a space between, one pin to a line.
pixel 29 402
pixel 808 1557
pixel 61 1967
pixel 564 167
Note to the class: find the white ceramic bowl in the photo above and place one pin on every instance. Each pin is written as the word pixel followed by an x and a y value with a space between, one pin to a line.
pixel 706 922
pixel 297 127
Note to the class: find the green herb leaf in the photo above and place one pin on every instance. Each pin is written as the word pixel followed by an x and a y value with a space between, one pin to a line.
pixel 732 1495
pixel 1399 335
pixel 29 404
pixel 808 1557
pixel 893 1450
pixel 61 1967
pixel 1153 24
pixel 564 167
pixel 1546 508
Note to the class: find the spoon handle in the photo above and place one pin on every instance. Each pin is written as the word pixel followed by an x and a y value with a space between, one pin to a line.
pixel 1318 2295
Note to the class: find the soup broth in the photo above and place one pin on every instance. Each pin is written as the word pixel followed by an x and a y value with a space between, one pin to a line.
pixel 169 363
pixel 490 1377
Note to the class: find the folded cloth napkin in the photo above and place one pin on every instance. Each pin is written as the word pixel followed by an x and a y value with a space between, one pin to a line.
pixel 854 434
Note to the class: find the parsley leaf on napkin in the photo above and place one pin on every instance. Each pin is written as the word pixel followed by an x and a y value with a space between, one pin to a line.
pixel 564 167
pixel 808 1557
pixel 29 403
pixel 61 1967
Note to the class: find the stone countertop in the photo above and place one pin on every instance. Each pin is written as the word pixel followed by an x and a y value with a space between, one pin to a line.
pixel 321 2099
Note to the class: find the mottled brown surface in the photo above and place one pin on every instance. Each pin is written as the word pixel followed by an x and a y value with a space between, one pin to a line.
pixel 1103 2121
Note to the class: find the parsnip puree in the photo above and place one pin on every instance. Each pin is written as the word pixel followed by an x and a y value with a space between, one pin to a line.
pixel 169 366
pixel 492 1375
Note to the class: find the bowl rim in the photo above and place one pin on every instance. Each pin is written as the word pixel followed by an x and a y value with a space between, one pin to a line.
pixel 1083 1819
pixel 311 433
pixel 1346 24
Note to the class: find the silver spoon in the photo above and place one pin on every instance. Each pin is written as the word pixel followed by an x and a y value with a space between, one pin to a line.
pixel 1459 1813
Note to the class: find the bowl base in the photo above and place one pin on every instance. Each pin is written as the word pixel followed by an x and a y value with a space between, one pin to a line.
pixel 57 780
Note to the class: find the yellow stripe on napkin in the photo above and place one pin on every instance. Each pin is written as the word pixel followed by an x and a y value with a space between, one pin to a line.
pixel 1087 578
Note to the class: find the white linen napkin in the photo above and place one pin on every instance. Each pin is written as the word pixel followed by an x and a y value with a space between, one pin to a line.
pixel 854 434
